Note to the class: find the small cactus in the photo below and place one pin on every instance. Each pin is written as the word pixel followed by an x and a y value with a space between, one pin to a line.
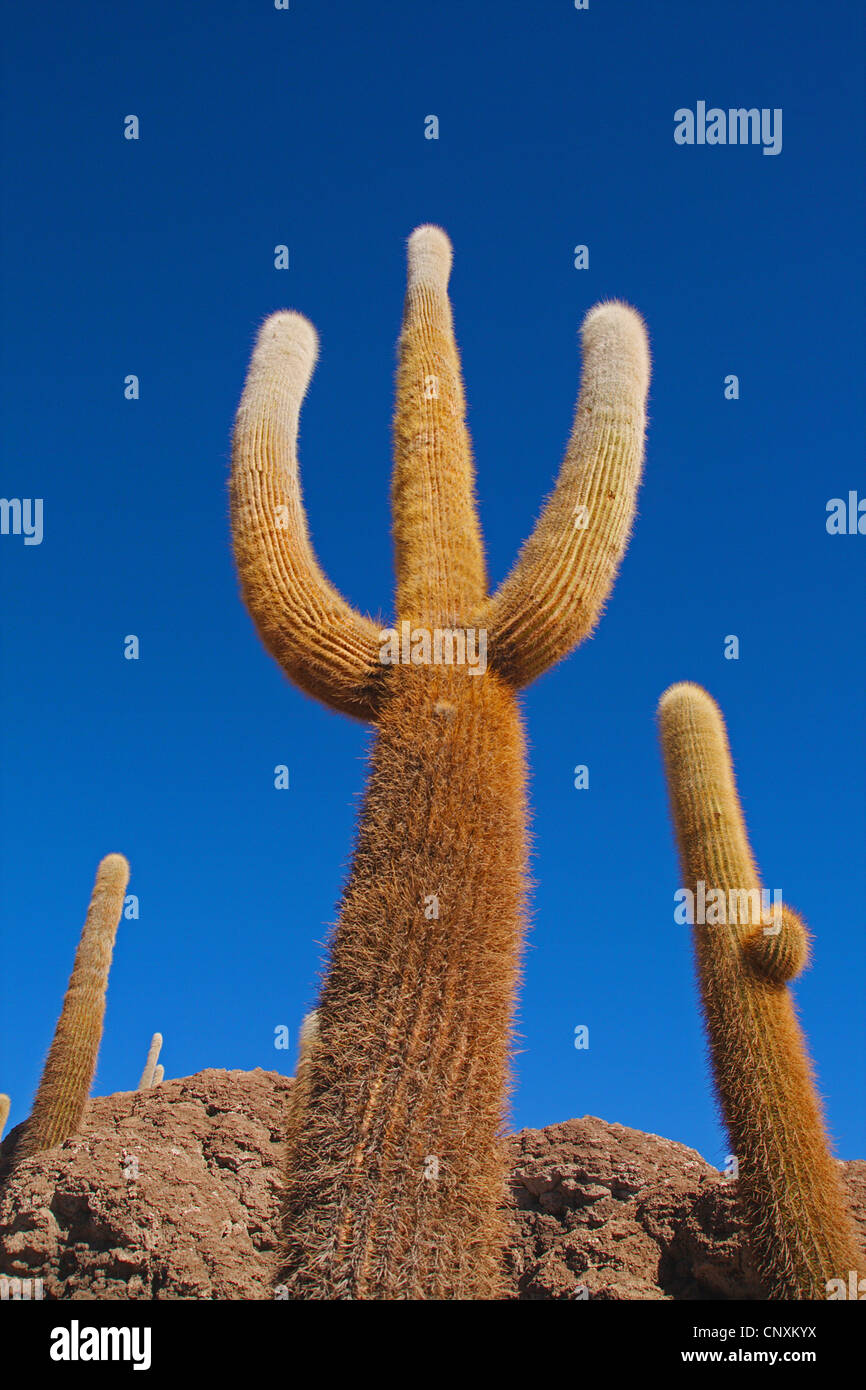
pixel 307 1038
pixel 5 1103
pixel 64 1089
pixel 158 1074
pixel 790 1188
pixel 147 1076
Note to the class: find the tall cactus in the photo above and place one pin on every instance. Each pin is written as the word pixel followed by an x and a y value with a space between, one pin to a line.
pixel 396 1171
pixel 64 1089
pixel 791 1193
pixel 147 1076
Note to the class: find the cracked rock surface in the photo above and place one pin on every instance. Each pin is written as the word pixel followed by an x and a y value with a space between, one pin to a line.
pixel 173 1193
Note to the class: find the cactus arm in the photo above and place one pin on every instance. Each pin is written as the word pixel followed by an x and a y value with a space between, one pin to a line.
pixel 64 1089
pixel 323 645
pixel 5 1104
pixel 158 1075
pixel 439 554
pixel 778 956
pixel 147 1078
pixel 554 596
pixel 795 1212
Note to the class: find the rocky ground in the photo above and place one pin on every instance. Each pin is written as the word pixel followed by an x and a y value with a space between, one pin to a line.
pixel 174 1193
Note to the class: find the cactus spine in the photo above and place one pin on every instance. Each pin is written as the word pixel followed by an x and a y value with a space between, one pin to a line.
pixel 395 1170
pixel 790 1188
pixel 147 1076
pixel 71 1063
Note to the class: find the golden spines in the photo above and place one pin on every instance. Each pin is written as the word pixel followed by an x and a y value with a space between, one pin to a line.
pixel 327 649
pixel 439 554
pixel 796 1216
pixel 554 596
pixel 395 1165
pixel 69 1069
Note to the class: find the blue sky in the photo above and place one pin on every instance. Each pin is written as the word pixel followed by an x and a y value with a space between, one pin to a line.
pixel 155 257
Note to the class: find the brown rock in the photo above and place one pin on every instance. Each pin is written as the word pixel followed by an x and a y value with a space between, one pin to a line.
pixel 173 1193
pixel 168 1193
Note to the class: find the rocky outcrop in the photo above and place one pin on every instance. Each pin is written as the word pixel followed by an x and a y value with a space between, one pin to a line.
pixel 173 1193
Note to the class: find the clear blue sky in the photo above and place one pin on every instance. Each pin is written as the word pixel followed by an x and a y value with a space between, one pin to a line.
pixel 155 257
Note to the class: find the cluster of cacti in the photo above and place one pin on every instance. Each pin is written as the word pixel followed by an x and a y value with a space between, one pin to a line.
pixel 790 1188
pixel 67 1077
pixel 395 1166
pixel 151 1067
pixel 395 1169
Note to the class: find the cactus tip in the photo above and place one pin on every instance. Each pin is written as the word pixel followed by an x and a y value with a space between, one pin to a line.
pixel 684 693
pixel 613 330
pixel 429 257
pixel 114 866
pixel 290 337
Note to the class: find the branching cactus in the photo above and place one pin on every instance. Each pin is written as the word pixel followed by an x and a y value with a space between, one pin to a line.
pixel 747 951
pixel 148 1076
pixel 71 1063
pixel 396 1171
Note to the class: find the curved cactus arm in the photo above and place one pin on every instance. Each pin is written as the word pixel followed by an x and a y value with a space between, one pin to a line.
pixel 794 1206
pixel 64 1089
pixel 323 645
pixel 439 552
pixel 147 1076
pixel 555 594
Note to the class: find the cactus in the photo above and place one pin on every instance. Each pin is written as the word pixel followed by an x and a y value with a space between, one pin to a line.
pixel 5 1104
pixel 64 1089
pixel 158 1075
pixel 147 1076
pixel 396 1171
pixel 307 1038
pixel 789 1184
